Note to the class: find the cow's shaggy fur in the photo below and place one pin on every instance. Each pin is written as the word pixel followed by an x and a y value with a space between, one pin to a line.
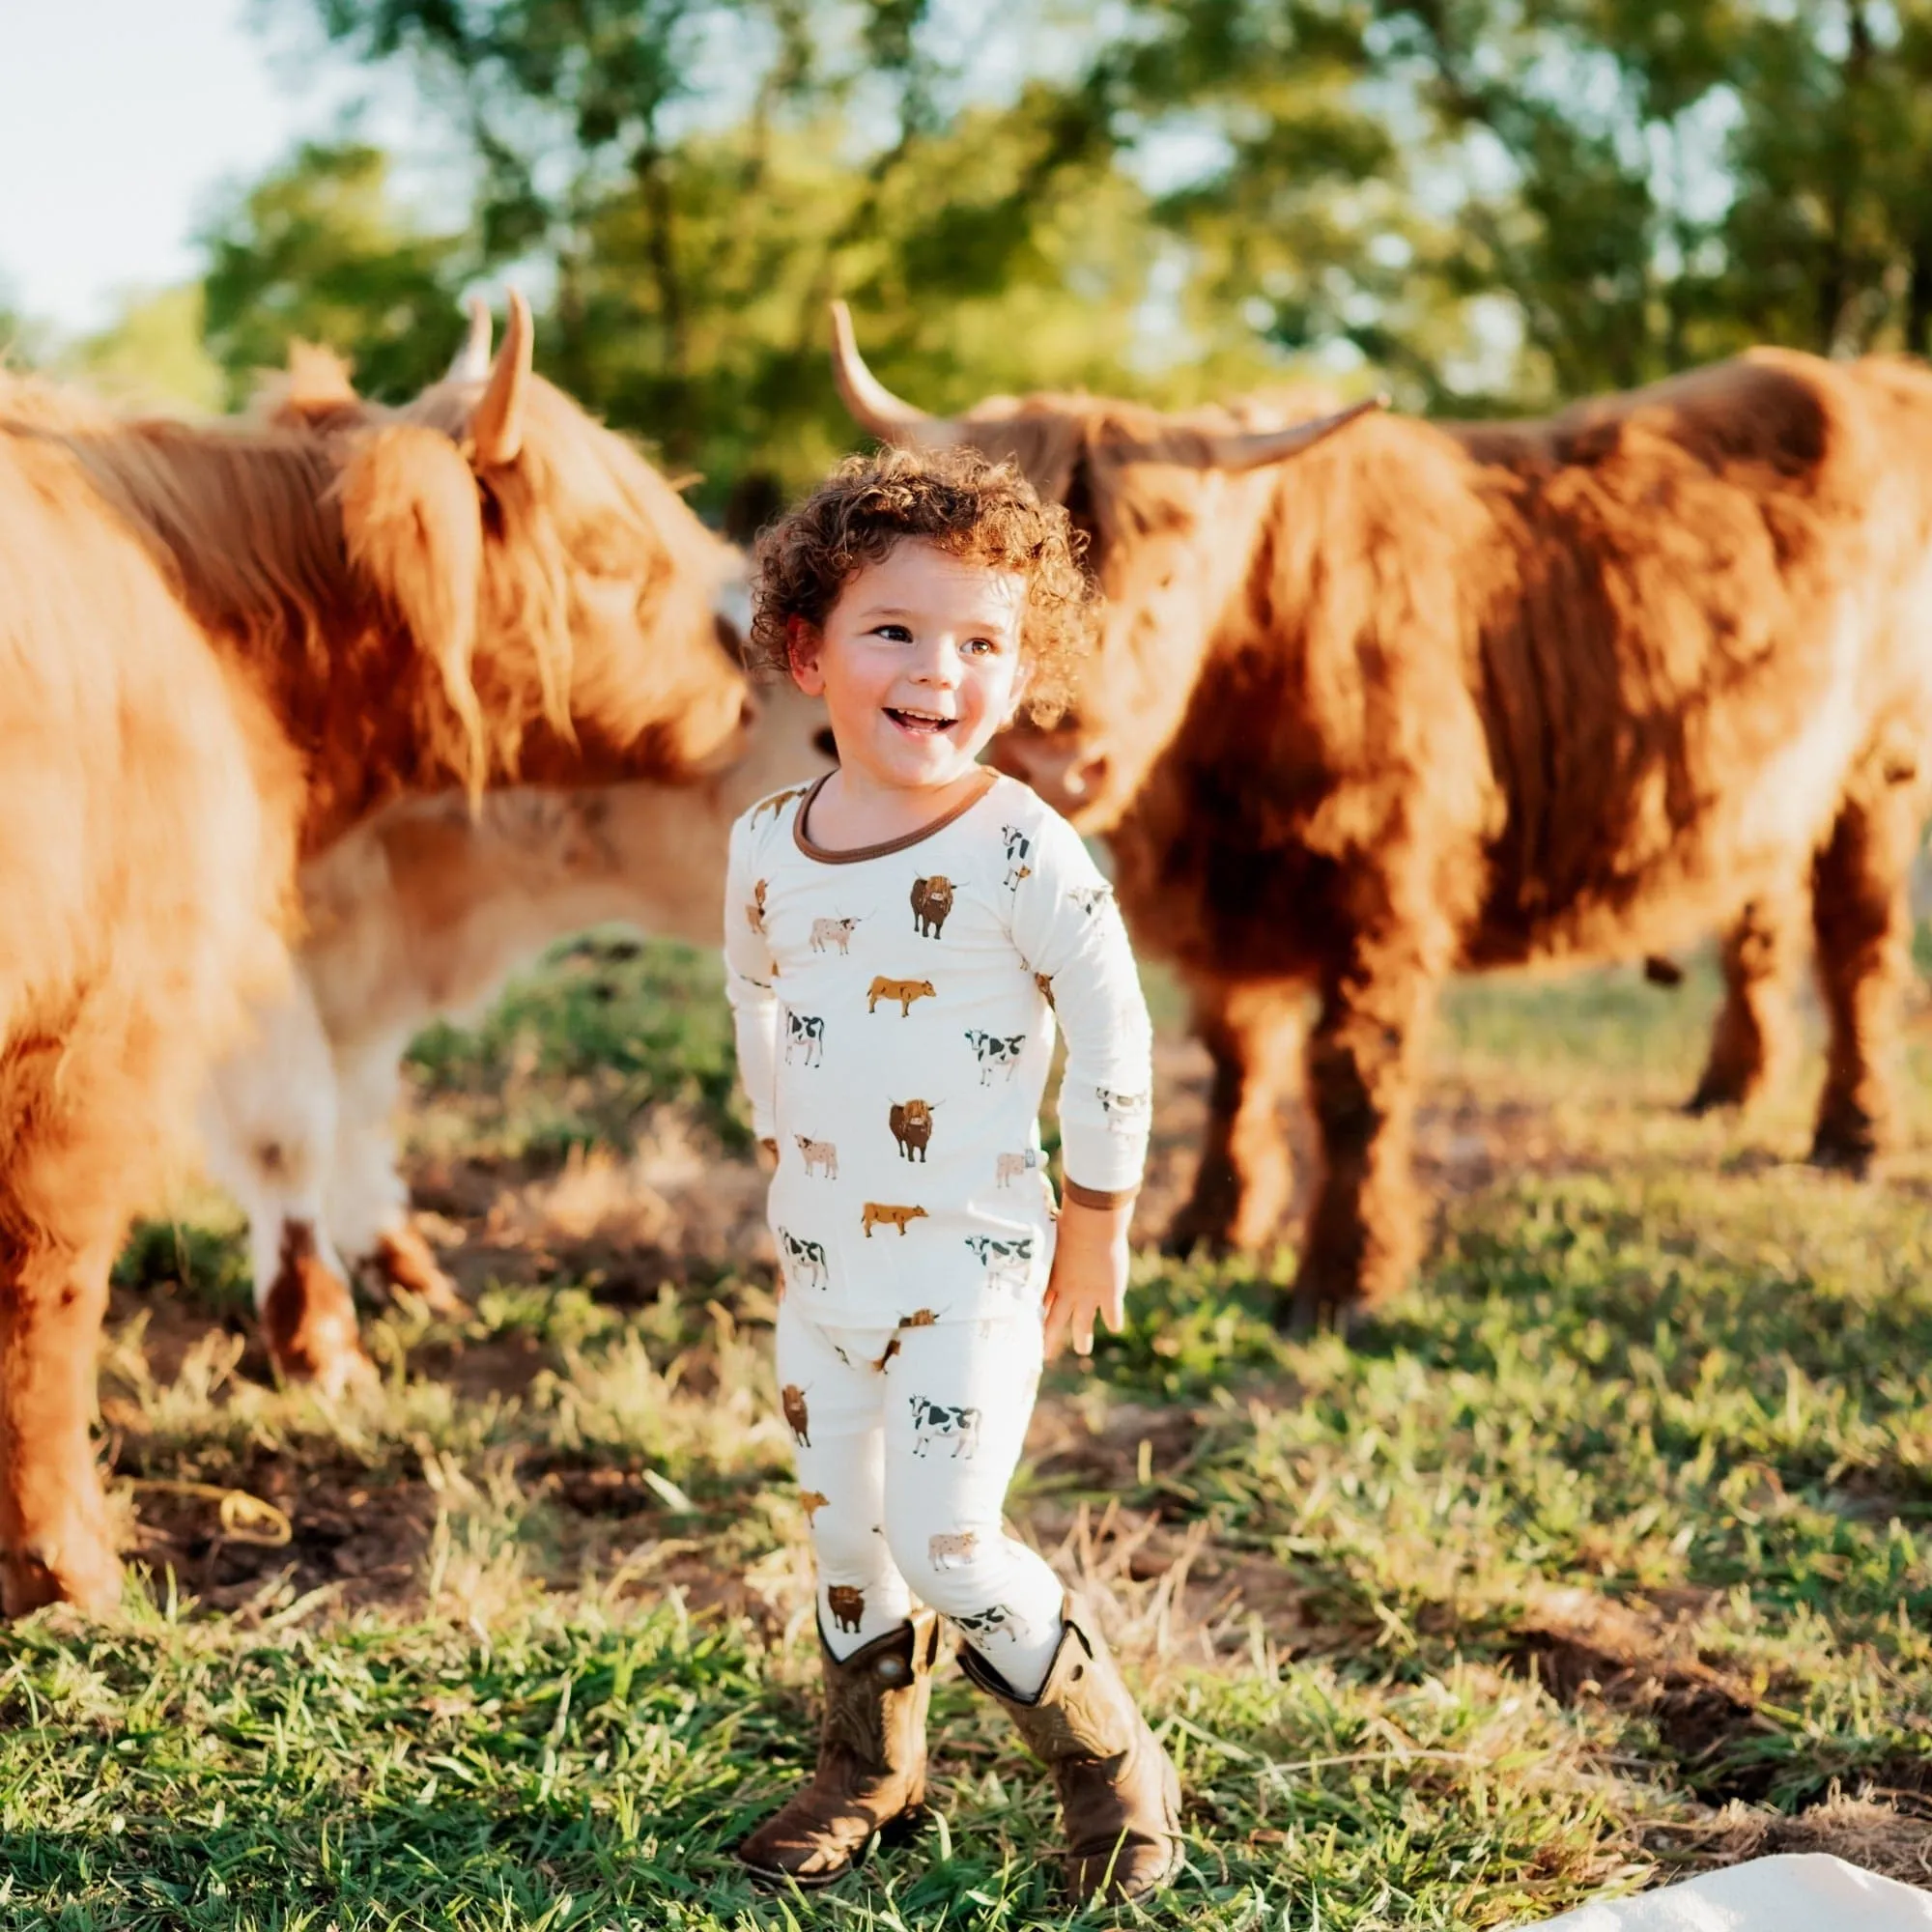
pixel 1433 697
pixel 422 913
pixel 221 647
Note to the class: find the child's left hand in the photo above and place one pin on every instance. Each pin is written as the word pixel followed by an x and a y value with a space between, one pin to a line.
pixel 1089 1276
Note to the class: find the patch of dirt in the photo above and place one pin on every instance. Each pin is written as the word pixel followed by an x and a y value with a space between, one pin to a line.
pixel 1891 1839
pixel 1586 1647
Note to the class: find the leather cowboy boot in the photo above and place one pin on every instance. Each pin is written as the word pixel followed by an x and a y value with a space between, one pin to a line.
pixel 1118 1792
pixel 871 1758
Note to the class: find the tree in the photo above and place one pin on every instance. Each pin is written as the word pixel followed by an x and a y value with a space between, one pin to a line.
pixel 320 249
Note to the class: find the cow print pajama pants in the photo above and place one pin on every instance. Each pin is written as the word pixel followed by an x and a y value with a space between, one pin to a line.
pixel 906 1439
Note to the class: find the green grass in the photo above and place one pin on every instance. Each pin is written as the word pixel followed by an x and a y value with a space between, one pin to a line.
pixel 1622 1516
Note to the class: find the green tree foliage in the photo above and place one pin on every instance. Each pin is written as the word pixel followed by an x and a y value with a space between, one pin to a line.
pixel 152 355
pixel 321 250
pixel 1491 204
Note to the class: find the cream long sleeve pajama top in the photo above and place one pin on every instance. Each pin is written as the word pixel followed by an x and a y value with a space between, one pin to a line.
pixel 895 1009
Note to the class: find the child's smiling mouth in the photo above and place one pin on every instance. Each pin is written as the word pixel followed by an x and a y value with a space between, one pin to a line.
pixel 919 724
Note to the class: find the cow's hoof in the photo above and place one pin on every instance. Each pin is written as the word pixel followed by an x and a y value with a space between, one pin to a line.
pixel 1717 1093
pixel 1851 1152
pixel 1314 1309
pixel 403 1263
pixel 80 1569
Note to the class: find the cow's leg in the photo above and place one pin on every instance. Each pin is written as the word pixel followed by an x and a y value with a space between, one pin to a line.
pixel 1754 1036
pixel 1242 1187
pixel 1862 922
pixel 368 1209
pixel 269 1133
pixel 1364 1059
pixel 53 1520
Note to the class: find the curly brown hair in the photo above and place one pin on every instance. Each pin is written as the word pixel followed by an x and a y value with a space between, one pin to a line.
pixel 980 511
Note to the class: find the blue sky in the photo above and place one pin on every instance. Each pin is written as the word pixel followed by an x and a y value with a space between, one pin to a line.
pixel 119 119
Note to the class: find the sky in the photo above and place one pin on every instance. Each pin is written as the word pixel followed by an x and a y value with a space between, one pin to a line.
pixel 120 120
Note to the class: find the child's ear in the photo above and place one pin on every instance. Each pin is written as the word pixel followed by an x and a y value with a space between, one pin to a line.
pixel 804 641
pixel 1022 684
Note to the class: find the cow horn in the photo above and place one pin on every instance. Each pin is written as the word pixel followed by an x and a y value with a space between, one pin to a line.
pixel 497 429
pixel 874 407
pixel 1251 449
pixel 472 359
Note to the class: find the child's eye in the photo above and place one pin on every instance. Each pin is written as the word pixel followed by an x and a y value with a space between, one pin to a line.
pixel 984 647
pixel 897 633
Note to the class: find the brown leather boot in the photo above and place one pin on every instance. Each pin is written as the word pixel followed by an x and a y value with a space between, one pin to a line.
pixel 871 1758
pixel 1119 1791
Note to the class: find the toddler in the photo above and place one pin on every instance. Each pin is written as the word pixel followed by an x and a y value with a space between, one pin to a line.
pixel 900 939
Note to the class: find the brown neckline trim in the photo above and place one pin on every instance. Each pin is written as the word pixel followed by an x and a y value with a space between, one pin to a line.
pixel 826 856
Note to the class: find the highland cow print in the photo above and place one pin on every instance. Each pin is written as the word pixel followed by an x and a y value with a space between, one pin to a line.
pixel 944 1422
pixel 1009 1263
pixel 811 1501
pixel 777 803
pixel 920 1317
pixel 998 1621
pixel 1044 981
pixel 806 1031
pixel 1124 1111
pixel 992 1049
pixel 847 1605
pixel 832 932
pixel 932 901
pixel 887 1354
pixel 755 913
pixel 820 1156
pixel 948 1549
pixel 806 1258
pixel 877 1214
pixel 1090 898
pixel 1011 1166
pixel 791 1399
pixel 911 1124
pixel 904 991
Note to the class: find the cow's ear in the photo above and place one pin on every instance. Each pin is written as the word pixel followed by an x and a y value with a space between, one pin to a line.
pixel 414 526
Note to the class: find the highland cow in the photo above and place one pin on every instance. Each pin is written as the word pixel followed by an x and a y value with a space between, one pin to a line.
pixel 222 648
pixel 1380 700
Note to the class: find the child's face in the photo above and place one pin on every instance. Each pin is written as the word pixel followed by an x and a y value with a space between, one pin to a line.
pixel 918 664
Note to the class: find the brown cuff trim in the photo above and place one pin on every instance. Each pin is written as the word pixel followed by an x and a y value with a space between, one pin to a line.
pixel 1099 1196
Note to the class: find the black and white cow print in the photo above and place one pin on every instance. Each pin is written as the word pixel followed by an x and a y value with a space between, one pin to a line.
pixel 805 1259
pixel 996 1620
pixel 945 1422
pixel 806 1030
pixel 1009 1263
pixel 992 1049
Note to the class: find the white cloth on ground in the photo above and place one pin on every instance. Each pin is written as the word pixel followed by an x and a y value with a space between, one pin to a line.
pixel 1797 1892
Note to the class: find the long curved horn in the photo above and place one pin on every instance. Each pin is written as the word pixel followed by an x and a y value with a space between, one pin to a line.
pixel 1251 449
pixel 472 359
pixel 497 429
pixel 874 407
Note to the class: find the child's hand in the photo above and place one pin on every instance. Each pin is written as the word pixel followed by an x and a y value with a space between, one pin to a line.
pixel 1089 1276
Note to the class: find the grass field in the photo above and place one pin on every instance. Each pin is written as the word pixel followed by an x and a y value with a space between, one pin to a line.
pixel 1603 1554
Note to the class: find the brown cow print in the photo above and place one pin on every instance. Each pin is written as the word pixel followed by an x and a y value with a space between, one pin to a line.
pixel 891 1349
pixel 1044 981
pixel 931 903
pixel 847 1605
pixel 755 913
pixel 920 1317
pixel 881 1214
pixel 904 991
pixel 792 1400
pixel 911 1123
pixel 777 803
pixel 811 1501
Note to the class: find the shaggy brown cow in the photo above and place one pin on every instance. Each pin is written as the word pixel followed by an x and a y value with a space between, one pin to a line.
pixel 425 911
pixel 911 1126
pixel 1375 706
pixel 220 649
